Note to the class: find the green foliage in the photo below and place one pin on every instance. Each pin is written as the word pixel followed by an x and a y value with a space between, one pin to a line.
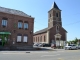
pixel 73 41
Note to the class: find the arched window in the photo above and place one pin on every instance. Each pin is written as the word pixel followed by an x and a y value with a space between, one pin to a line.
pixel 57 28
pixel 19 37
pixel 4 22
pixel 41 39
pixel 20 24
pixel 38 39
pixel 56 14
pixel 25 38
pixel 25 25
pixel 34 39
pixel 50 15
pixel 44 39
pixel 59 14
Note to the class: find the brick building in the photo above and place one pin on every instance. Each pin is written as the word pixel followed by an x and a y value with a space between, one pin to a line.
pixel 54 33
pixel 16 28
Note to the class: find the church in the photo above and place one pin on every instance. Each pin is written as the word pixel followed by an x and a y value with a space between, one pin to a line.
pixel 54 33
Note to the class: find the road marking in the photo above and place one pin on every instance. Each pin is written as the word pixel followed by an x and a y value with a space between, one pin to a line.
pixel 49 55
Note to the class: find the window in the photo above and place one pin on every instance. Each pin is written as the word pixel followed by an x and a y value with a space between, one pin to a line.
pixel 38 38
pixel 25 38
pixel 59 14
pixel 25 25
pixel 44 39
pixel 56 14
pixel 57 28
pixel 19 36
pixel 41 39
pixel 4 22
pixel 34 39
pixel 20 24
pixel 50 15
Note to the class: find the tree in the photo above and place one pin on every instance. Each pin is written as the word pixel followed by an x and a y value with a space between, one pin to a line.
pixel 73 41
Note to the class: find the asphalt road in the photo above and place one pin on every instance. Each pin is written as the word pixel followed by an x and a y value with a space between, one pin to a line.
pixel 40 55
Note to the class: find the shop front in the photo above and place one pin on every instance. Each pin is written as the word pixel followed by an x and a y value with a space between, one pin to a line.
pixel 4 38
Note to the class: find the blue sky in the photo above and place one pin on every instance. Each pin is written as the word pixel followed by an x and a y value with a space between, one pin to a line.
pixel 39 9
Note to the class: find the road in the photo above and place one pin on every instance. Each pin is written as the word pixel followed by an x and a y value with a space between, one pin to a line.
pixel 40 55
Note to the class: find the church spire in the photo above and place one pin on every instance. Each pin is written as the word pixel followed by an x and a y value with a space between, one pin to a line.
pixel 54 5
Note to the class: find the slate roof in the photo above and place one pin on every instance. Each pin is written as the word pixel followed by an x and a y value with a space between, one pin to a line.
pixel 55 6
pixel 13 11
pixel 41 31
pixel 45 30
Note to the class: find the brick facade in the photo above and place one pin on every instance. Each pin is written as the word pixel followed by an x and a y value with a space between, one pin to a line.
pixel 13 20
pixel 53 33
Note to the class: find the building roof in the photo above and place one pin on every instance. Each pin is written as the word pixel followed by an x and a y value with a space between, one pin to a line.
pixel 54 5
pixel 41 31
pixel 14 12
pixel 44 30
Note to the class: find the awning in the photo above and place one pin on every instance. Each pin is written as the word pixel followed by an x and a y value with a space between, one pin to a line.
pixel 5 33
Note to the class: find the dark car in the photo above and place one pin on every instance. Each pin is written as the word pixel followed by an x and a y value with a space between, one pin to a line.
pixel 46 45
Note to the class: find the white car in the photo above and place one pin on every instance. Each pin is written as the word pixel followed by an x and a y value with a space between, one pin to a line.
pixel 37 45
pixel 71 46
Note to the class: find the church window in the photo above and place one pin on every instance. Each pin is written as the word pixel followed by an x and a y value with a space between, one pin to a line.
pixel 59 14
pixel 44 39
pixel 56 14
pixel 57 28
pixel 50 15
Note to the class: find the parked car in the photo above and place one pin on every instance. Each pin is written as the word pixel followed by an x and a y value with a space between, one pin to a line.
pixel 46 45
pixel 35 45
pixel 40 45
pixel 71 46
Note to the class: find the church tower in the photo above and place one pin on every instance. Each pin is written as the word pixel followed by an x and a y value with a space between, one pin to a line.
pixel 54 16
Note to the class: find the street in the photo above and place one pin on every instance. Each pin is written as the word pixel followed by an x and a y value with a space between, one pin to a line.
pixel 41 55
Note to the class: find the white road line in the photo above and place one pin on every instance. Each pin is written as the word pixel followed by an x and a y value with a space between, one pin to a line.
pixel 49 55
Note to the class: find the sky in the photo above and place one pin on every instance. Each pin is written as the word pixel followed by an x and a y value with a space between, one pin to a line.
pixel 38 9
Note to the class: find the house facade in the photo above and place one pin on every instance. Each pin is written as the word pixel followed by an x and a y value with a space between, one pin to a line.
pixel 54 33
pixel 16 28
